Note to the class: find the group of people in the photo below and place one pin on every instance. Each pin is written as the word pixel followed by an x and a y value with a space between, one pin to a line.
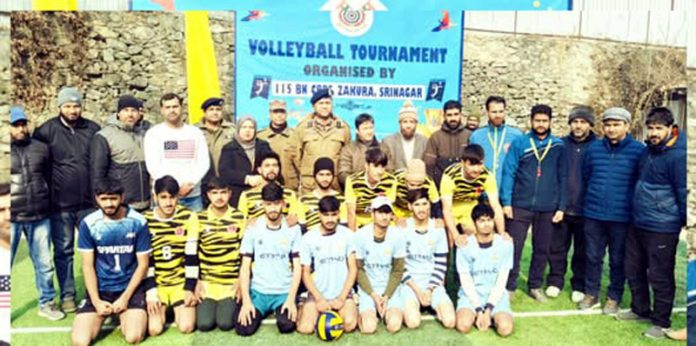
pixel 226 224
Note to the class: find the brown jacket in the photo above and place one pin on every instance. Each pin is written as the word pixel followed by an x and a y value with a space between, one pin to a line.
pixel 443 149
pixel 278 142
pixel 353 158
pixel 216 140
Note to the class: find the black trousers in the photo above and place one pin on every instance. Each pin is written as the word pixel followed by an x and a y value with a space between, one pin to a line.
pixel 542 230
pixel 211 313
pixel 284 323
pixel 649 264
pixel 570 231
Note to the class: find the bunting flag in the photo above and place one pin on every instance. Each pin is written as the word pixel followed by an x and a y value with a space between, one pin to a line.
pixel 201 65
pixel 54 5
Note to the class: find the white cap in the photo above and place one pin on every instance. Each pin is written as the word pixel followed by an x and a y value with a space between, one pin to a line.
pixel 380 201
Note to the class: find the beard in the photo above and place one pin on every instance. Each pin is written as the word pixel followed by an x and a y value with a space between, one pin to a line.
pixel 541 131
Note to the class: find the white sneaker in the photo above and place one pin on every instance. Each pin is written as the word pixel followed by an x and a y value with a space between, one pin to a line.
pixel 577 296
pixel 553 291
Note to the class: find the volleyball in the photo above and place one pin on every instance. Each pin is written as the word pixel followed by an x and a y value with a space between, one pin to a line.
pixel 329 326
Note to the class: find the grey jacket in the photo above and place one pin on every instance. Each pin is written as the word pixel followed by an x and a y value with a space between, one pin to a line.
pixel 396 148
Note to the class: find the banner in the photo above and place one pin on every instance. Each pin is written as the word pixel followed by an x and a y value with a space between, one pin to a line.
pixel 201 64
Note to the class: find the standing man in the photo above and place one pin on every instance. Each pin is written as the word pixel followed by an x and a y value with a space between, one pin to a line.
pixel 407 144
pixel 117 153
pixel 496 137
pixel 581 120
pixel 216 130
pixel 68 137
pixel 328 270
pixel 278 134
pixel 610 170
pixel 363 187
pixel 534 192
pixel 659 213
pixel 324 173
pixel 30 168
pixel 473 121
pixel 352 157
pixel 178 149
pixel 444 145
pixel 270 285
pixel 115 245
pixel 320 134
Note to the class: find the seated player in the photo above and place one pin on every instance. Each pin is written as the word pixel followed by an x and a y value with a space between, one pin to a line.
pixel 173 271
pixel 426 264
pixel 483 265
pixel 413 178
pixel 250 202
pixel 328 270
pixel 270 284
pixel 115 245
pixel 362 187
pixel 380 254
pixel 324 175
pixel 220 235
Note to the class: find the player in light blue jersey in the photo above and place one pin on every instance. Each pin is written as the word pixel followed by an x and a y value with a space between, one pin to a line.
pixel 115 244
pixel 380 256
pixel 483 265
pixel 271 285
pixel 426 264
pixel 328 269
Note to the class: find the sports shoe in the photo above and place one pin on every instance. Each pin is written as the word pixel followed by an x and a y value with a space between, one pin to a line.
pixel 538 295
pixel 655 332
pixel 588 302
pixel 553 291
pixel 630 316
pixel 610 307
pixel 69 306
pixel 51 312
pixel 577 296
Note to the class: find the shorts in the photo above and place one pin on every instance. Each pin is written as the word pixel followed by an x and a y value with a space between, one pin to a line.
pixel 366 302
pixel 502 306
pixel 267 303
pixel 438 297
pixel 217 291
pixel 171 295
pixel 137 300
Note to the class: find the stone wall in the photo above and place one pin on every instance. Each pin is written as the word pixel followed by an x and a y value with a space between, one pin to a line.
pixel 5 97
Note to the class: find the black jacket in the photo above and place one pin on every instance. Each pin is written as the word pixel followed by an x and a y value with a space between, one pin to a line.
pixel 234 166
pixel 117 153
pixel 69 149
pixel 30 169
pixel 575 151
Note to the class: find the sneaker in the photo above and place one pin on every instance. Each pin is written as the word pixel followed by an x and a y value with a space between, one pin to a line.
pixel 577 296
pixel 68 306
pixel 51 312
pixel 655 332
pixel 588 302
pixel 630 316
pixel 610 307
pixel 538 295
pixel 553 291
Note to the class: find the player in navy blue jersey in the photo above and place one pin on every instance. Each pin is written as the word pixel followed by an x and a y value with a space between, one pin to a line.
pixel 115 245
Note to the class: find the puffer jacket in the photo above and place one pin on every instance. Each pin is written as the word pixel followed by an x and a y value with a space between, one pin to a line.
pixel 30 174
pixel 117 153
pixel 659 203
pixel 610 173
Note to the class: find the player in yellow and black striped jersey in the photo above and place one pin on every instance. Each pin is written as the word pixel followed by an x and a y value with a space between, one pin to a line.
pixel 173 268
pixel 250 203
pixel 362 187
pixel 324 175
pixel 415 178
pixel 220 236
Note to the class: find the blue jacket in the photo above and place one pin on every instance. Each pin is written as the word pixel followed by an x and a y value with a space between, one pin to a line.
pixel 575 152
pixel 523 187
pixel 659 203
pixel 481 137
pixel 610 173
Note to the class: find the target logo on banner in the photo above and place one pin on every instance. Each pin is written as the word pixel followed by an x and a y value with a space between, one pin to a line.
pixel 353 18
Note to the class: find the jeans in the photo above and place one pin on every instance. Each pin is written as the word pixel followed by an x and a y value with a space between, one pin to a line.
pixel 63 226
pixel 38 235
pixel 599 234
pixel 194 203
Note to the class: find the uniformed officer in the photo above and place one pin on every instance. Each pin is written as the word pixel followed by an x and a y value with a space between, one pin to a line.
pixel 319 134
pixel 277 134
pixel 216 130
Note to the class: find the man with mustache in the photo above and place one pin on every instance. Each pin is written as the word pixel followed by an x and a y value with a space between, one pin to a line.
pixel 534 193
pixel 659 213
pixel 444 145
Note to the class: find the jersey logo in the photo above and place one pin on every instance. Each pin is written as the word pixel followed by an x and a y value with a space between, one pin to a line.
pixel 232 229
pixel 180 231
pixel 130 235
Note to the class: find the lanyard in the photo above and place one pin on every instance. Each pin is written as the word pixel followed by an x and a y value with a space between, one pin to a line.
pixel 543 156
pixel 497 146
